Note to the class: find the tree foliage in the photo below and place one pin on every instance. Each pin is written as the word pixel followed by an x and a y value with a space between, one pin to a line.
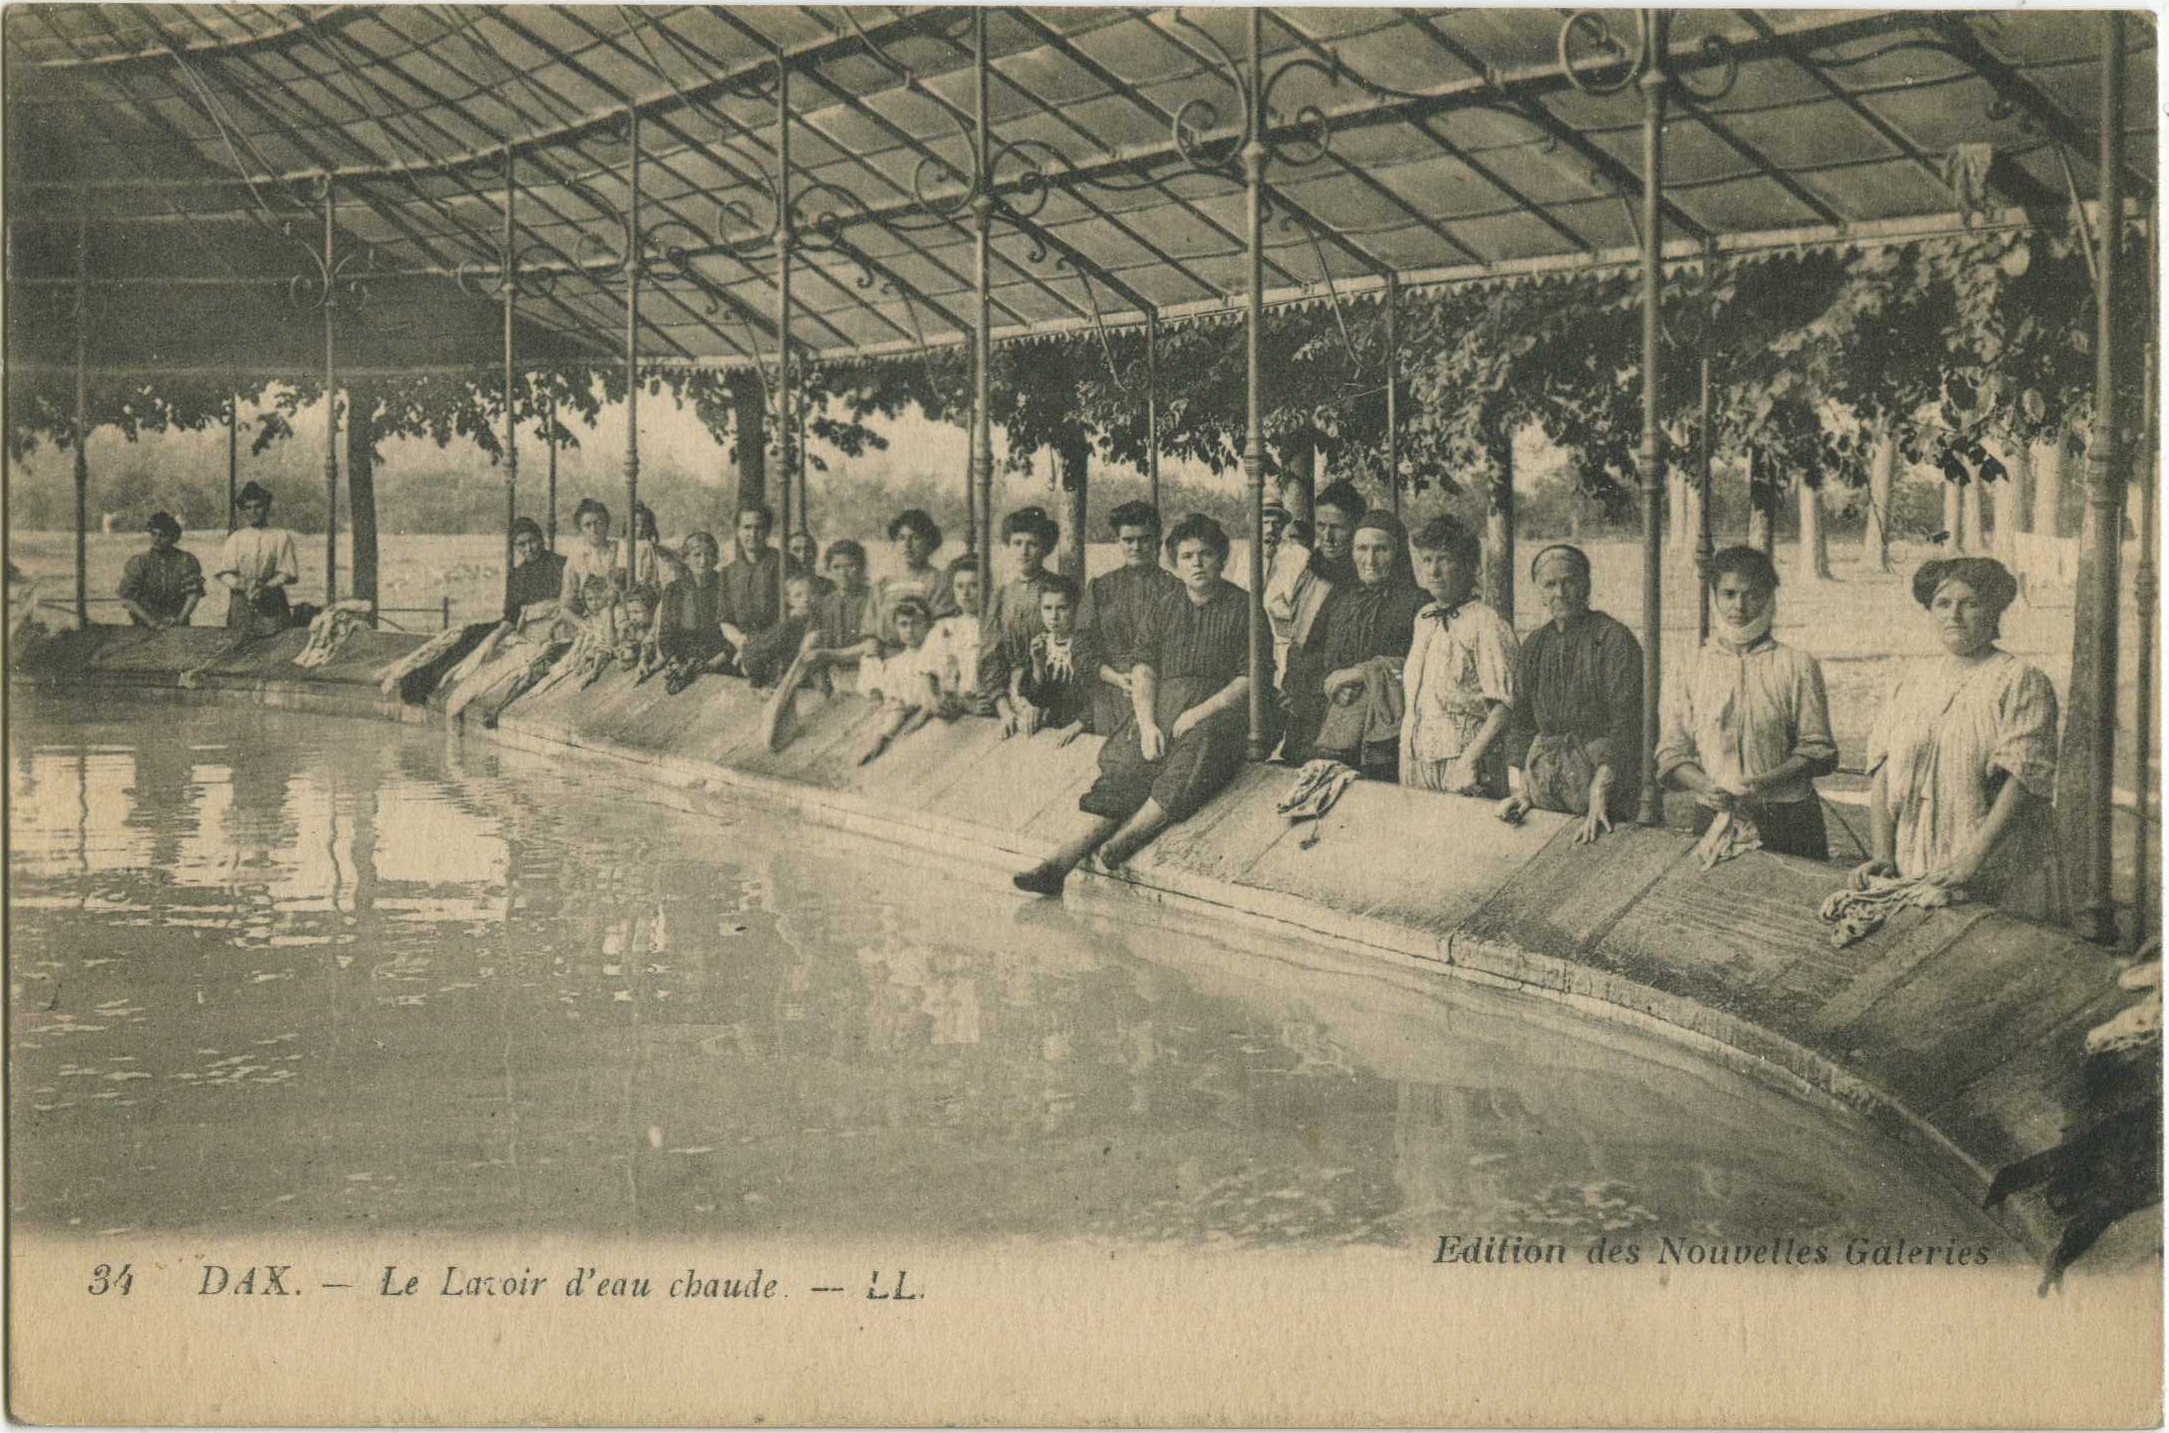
pixel 1956 344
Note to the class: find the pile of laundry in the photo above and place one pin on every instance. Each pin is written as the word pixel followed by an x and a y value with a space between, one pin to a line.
pixel 330 628
pixel 1317 786
pixel 1858 914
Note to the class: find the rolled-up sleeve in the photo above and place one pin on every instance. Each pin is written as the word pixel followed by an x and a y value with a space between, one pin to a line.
pixel 2026 733
pixel 1813 741
pixel 1496 656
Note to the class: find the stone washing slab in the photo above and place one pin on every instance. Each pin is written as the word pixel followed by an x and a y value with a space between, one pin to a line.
pixel 1958 1030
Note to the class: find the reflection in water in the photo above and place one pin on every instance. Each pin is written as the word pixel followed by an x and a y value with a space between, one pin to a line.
pixel 271 971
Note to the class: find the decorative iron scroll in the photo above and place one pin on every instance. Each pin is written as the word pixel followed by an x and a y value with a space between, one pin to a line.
pixel 1311 141
pixel 1613 68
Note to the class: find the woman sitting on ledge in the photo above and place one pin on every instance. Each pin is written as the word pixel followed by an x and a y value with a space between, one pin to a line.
pixel 1963 754
pixel 1358 650
pixel 1188 690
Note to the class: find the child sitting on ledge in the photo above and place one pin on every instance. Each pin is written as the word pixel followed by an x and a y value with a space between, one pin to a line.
pixel 955 643
pixel 911 693
pixel 773 651
pixel 688 636
pixel 1053 673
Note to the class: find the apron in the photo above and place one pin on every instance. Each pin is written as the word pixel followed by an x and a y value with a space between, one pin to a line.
pixel 1558 774
pixel 268 613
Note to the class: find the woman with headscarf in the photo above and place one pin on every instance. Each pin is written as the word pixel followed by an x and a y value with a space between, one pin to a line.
pixel 1576 732
pixel 257 565
pixel 1349 710
pixel 1963 753
pixel 1747 730
pixel 537 575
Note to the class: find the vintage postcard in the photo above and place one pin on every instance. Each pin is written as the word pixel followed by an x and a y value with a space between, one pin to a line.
pixel 906 715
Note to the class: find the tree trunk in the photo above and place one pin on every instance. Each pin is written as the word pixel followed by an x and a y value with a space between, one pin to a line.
pixel 2093 645
pixel 1073 455
pixel 752 440
pixel 1499 533
pixel 1679 533
pixel 2011 501
pixel 361 488
pixel 1969 516
pixel 2051 464
pixel 1954 535
pixel 1875 534
pixel 1761 505
pixel 1687 522
pixel 1814 558
pixel 1300 486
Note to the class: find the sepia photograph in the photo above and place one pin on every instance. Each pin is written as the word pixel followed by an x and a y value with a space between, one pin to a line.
pixel 861 715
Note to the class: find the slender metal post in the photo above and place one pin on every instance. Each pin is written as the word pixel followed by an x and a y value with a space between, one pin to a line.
pixel 1393 389
pixel 784 241
pixel 2144 592
pixel 1261 651
pixel 805 508
pixel 982 452
pixel 550 437
pixel 512 439
pixel 82 420
pixel 331 405
pixel 632 365
pixel 1705 541
pixel 1152 410
pixel 2104 483
pixel 233 454
pixel 1653 84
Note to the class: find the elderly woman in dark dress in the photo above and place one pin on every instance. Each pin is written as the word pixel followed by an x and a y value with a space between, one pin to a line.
pixel 1357 650
pixel 537 575
pixel 1188 691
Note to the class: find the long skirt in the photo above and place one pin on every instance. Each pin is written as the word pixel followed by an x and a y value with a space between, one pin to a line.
pixel 1194 769
pixel 268 613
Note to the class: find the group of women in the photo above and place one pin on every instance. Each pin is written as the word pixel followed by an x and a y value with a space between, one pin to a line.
pixel 1393 667
pixel 1400 672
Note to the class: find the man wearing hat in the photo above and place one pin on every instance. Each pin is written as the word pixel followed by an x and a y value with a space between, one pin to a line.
pixel 257 565
pixel 162 584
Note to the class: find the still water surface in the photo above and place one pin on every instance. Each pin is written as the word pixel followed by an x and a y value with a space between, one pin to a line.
pixel 282 973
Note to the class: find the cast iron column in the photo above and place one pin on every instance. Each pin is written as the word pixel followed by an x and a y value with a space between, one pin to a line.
pixel 1152 410
pixel 1261 649
pixel 2104 494
pixel 331 410
pixel 82 421
pixel 233 454
pixel 1653 87
pixel 1393 385
pixel 632 362
pixel 784 240
pixel 982 454
pixel 512 441
pixel 550 438
pixel 1705 542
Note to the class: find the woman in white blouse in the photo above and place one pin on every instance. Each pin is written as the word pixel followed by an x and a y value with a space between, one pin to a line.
pixel 256 566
